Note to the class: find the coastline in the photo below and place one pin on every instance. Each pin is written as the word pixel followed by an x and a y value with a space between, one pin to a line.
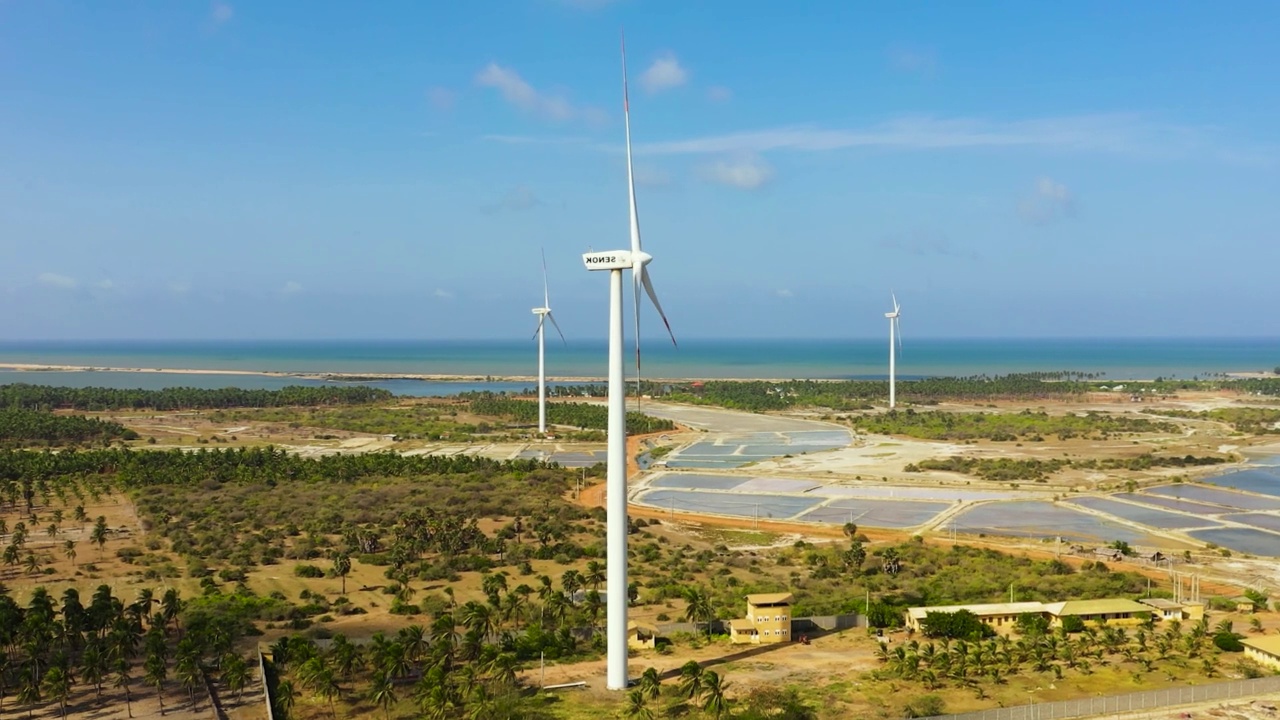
pixel 37 368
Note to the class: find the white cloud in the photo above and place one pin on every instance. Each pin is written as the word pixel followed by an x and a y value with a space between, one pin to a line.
pixel 443 294
pixel 747 172
pixel 441 98
pixel 58 281
pixel 719 93
pixel 1103 133
pixel 516 91
pixel 291 288
pixel 785 293
pixel 105 285
pixel 651 176
pixel 915 60
pixel 665 73
pixel 221 12
pixel 179 287
pixel 1048 202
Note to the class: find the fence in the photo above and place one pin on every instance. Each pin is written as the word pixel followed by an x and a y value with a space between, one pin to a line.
pixel 266 686
pixel 1132 702
pixel 818 623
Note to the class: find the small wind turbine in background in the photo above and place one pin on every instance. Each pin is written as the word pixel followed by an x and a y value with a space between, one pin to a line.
pixel 544 314
pixel 615 261
pixel 894 329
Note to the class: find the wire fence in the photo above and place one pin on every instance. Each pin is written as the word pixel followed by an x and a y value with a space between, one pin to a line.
pixel 1128 703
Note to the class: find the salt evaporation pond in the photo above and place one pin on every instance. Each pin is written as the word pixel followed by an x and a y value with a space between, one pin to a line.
pixel 876 513
pixel 693 481
pixel 1217 497
pixel 566 459
pixel 1044 520
pixel 947 494
pixel 1143 515
pixel 1173 504
pixel 1256 480
pixel 734 451
pixel 1258 520
pixel 738 504
pixel 1253 542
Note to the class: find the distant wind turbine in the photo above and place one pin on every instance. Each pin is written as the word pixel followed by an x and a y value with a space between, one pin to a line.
pixel 894 328
pixel 544 314
pixel 615 261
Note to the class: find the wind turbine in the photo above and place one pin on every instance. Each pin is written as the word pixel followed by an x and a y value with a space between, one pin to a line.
pixel 894 328
pixel 544 314
pixel 615 261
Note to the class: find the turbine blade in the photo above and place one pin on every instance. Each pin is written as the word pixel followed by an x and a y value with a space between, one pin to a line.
pixel 895 301
pixel 557 326
pixel 648 288
pixel 635 292
pixel 541 318
pixel 631 182
pixel 546 297
pixel 897 324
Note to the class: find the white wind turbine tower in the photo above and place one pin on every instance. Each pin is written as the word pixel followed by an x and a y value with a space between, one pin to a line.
pixel 615 261
pixel 544 314
pixel 894 328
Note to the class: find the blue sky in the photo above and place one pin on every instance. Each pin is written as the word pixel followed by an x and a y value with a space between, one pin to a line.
pixel 390 170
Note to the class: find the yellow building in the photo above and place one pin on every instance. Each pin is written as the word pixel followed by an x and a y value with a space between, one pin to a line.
pixel 1113 611
pixel 641 636
pixel 1263 650
pixel 768 619
pixel 998 615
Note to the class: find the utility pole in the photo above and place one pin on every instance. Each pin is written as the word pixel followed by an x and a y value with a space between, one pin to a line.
pixel 542 669
pixel 756 522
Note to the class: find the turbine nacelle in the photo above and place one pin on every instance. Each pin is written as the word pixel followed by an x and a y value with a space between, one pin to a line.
pixel 613 260
pixel 542 311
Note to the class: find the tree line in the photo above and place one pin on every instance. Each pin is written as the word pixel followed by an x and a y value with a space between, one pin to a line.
pixel 581 415
pixel 21 427
pixel 1004 426
pixel 45 397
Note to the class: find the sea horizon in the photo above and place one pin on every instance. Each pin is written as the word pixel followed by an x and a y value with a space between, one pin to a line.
pixel 833 359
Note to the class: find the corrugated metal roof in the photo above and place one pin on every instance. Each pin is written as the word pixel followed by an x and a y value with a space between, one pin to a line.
pixel 1161 603
pixel 1016 608
pixel 1269 644
pixel 1109 606
pixel 742 625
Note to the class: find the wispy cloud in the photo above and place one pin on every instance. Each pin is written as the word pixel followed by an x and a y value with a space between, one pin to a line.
pixel 651 176
pixel 913 60
pixel 443 294
pixel 441 98
pixel 516 91
pixel 1104 133
pixel 923 243
pixel 665 73
pixel 106 284
pixel 1048 202
pixel 58 281
pixel 747 172
pixel 179 287
pixel 220 13
pixel 784 293
pixel 719 94
pixel 291 287
pixel 519 198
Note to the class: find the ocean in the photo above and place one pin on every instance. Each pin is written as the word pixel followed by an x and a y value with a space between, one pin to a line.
pixel 1117 359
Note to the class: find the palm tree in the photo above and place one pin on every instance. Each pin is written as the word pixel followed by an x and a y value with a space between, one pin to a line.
pixel 29 691
pixel 122 683
pixel 477 618
pixel 69 549
pixel 383 693
pixel 342 566
pixel 188 673
pixel 93 667
pixel 714 700
pixel 636 707
pixel 155 672
pixel 699 606
pixel 691 680
pixel 1255 625
pixel 99 534
pixel 58 685
pixel 235 673
pixel 285 695
pixel 595 574
pixel 651 683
